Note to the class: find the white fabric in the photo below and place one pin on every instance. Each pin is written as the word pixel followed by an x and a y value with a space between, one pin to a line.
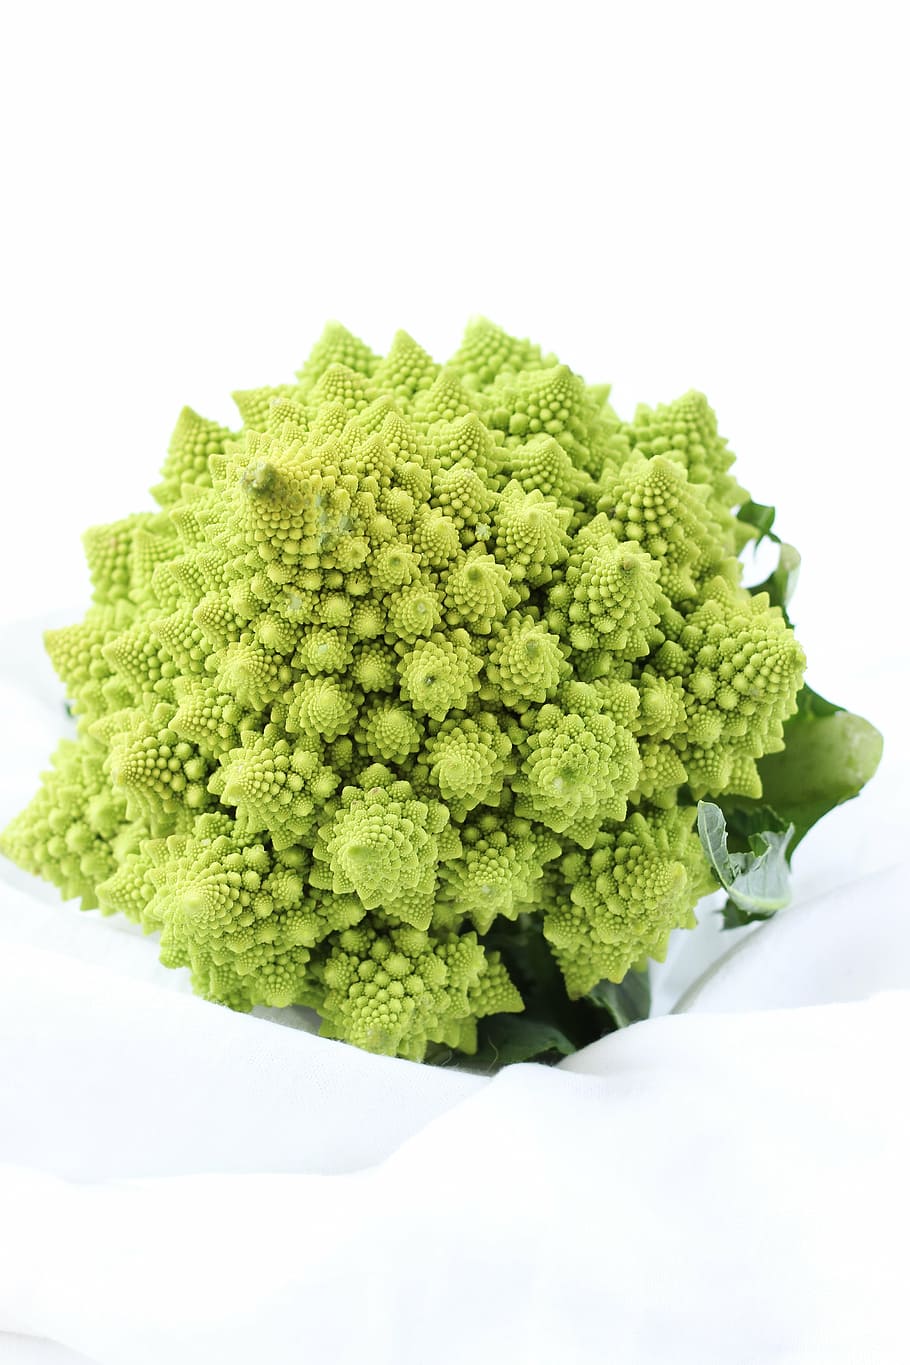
pixel 726 1184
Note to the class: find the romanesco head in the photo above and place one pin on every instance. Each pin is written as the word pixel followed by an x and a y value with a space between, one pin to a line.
pixel 415 657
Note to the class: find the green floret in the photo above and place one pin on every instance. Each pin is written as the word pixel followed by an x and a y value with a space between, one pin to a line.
pixel 577 772
pixel 397 990
pixel 525 661
pixel 607 597
pixel 440 674
pixel 412 682
pixel 469 760
pixel 381 843
pixel 499 871
pixel 619 902
pixel 194 440
pixel 69 832
pixel 686 430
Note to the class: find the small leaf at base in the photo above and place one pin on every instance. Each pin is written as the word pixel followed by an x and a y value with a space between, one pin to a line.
pixel 756 881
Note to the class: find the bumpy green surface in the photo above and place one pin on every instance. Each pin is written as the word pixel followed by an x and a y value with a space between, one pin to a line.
pixel 418 651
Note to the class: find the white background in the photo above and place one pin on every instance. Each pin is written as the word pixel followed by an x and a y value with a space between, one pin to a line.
pixel 667 196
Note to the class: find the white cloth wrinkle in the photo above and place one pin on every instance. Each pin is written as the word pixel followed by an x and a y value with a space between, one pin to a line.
pixel 624 1203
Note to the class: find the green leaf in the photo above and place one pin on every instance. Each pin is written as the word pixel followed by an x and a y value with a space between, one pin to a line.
pixel 508 1038
pixel 734 918
pixel 756 881
pixel 829 756
pixel 744 821
pixel 761 517
pixel 780 584
pixel 809 703
pixel 626 1001
pixel 531 965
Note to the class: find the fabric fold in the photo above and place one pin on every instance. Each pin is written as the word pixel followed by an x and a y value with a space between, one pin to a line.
pixel 696 1191
pixel 106 1076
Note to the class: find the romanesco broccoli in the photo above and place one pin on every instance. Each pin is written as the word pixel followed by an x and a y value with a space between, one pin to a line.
pixel 419 657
